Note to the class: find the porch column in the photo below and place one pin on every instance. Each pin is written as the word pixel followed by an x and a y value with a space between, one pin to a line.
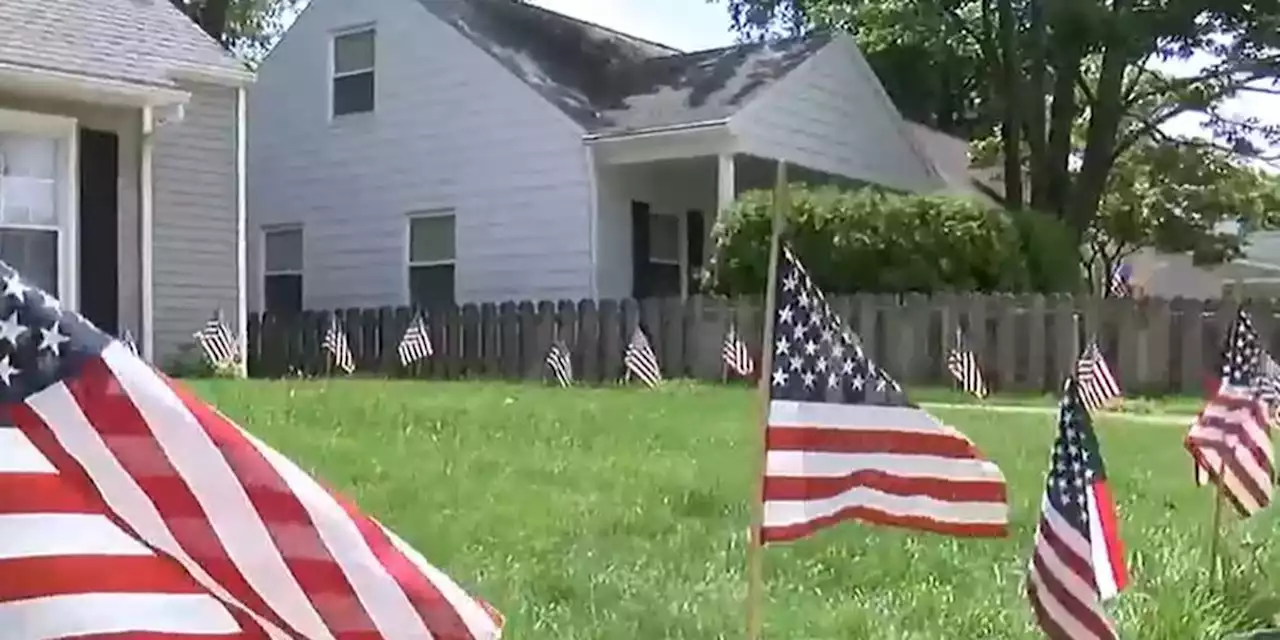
pixel 242 259
pixel 725 188
pixel 146 224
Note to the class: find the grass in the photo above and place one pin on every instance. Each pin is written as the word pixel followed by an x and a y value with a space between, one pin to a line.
pixel 1140 405
pixel 618 513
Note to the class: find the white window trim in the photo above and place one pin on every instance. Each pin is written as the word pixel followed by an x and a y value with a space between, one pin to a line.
pixel 410 263
pixel 682 249
pixel 333 74
pixel 66 131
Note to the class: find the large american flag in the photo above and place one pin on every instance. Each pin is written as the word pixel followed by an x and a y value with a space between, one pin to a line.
pixel 1230 440
pixel 1098 387
pixel 1078 560
pixel 335 342
pixel 217 341
pixel 416 342
pixel 737 358
pixel 843 442
pixel 963 366
pixel 640 361
pixel 129 508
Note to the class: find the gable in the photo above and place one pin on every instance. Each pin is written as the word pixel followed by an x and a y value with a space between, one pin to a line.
pixel 137 41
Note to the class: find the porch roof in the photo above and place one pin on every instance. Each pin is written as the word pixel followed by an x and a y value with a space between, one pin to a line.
pixel 110 43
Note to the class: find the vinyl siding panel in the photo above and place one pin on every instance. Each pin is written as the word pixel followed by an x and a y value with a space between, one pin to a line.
pixel 451 129
pixel 195 237
pixel 831 114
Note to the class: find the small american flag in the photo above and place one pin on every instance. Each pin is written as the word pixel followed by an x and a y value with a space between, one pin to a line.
pixel 640 360
pixel 1269 384
pixel 416 343
pixel 335 342
pixel 735 354
pixel 560 361
pixel 844 443
pixel 131 509
pixel 127 340
pixel 963 366
pixel 1078 561
pixel 1098 387
pixel 1230 440
pixel 217 341
pixel 1121 283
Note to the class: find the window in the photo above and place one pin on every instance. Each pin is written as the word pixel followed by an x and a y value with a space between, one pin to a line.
pixel 29 186
pixel 282 271
pixel 432 258
pixel 664 254
pixel 353 62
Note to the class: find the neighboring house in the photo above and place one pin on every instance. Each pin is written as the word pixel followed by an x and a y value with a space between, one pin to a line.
pixel 1257 274
pixel 121 179
pixel 448 151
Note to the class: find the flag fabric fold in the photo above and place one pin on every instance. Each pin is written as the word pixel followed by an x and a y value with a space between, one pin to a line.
pixel 963 366
pixel 843 442
pixel 1078 559
pixel 217 341
pixel 560 362
pixel 1097 385
pixel 335 343
pixel 415 345
pixel 640 361
pixel 1230 439
pixel 735 355
pixel 128 507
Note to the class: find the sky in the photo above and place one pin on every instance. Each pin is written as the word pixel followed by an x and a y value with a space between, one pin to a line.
pixel 696 24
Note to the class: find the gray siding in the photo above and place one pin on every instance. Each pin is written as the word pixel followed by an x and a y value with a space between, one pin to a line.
pixel 451 129
pixel 832 115
pixel 194 238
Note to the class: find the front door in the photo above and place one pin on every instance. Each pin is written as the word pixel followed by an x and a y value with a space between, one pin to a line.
pixel 99 224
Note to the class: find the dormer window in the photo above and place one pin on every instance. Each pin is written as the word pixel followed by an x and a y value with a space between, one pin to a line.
pixel 353 63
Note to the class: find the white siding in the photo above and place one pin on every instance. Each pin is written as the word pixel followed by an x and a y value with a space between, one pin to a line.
pixel 194 239
pixel 832 115
pixel 451 129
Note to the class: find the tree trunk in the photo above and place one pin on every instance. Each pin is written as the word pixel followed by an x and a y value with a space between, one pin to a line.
pixel 1011 125
pixel 1104 122
pixel 1036 62
pixel 213 18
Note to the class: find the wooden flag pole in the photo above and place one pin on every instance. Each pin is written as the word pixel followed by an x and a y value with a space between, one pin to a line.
pixel 755 548
pixel 1215 535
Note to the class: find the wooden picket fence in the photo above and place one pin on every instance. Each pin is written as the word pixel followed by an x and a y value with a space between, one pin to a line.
pixel 1025 343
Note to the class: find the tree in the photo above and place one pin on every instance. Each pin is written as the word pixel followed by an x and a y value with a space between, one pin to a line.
pixel 247 27
pixel 1067 86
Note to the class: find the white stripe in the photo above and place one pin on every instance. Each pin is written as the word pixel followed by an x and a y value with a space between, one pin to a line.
pixel 19 455
pixel 391 611
pixel 781 513
pixel 67 616
pixel 216 488
pixel 1100 555
pixel 473 615
pixel 1075 543
pixel 57 408
pixel 826 415
pixel 816 464
pixel 1067 578
pixel 1058 613
pixel 33 535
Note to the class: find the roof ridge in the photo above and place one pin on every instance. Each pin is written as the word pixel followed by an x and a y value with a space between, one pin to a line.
pixel 595 25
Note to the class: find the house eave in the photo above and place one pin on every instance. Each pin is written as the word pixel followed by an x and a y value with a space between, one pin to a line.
pixel 658 131
pixel 84 88
pixel 663 143
pixel 232 78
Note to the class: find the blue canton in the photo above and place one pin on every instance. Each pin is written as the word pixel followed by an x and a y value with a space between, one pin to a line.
pixel 1076 462
pixel 815 357
pixel 1242 359
pixel 40 343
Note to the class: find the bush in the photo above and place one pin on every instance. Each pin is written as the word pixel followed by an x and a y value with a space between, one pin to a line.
pixel 190 362
pixel 872 240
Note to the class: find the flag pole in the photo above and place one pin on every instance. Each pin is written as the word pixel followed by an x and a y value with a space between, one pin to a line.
pixel 1216 535
pixel 755 548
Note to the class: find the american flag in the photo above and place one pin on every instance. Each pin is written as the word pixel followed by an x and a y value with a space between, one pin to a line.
pixel 416 343
pixel 640 360
pixel 1078 561
pixel 1098 387
pixel 129 508
pixel 843 442
pixel 129 343
pixel 735 354
pixel 1269 384
pixel 963 366
pixel 1230 440
pixel 335 342
pixel 217 341
pixel 560 361
pixel 1121 283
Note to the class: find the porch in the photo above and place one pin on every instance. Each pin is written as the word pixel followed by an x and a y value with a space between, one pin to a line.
pixel 76 205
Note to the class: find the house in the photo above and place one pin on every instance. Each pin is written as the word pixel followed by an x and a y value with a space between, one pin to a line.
pixel 121 171
pixel 448 151
pixel 1173 275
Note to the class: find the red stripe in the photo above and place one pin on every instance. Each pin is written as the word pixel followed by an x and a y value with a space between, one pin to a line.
pixel 818 488
pixel 791 532
pixel 287 521
pixel 1082 567
pixel 1085 614
pixel 44 493
pixel 1047 623
pixel 885 441
pixel 42 438
pixel 1106 508
pixel 129 437
pixel 1231 467
pixel 26 578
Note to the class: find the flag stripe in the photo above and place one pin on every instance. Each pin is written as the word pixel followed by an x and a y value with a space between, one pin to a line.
pixel 871 440
pixel 987 528
pixel 74 615
pixel 823 488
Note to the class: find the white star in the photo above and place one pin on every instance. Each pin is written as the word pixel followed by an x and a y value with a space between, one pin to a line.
pixel 15 287
pixel 837 351
pixel 780 347
pixel 779 378
pixel 6 370
pixel 833 380
pixel 808 379
pixel 786 315
pixel 847 368
pixel 11 329
pixel 52 339
pixel 810 347
pixel 805 301
pixel 857 382
pixel 799 331
pixel 790 281
pixel 52 303
pixel 822 364
pixel 797 363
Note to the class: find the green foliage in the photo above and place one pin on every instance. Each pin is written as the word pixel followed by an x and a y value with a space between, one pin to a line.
pixel 872 240
pixel 190 362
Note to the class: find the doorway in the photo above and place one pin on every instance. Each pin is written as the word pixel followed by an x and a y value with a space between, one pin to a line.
pixel 99 223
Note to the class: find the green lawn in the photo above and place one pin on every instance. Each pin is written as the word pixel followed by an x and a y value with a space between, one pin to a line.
pixel 617 513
